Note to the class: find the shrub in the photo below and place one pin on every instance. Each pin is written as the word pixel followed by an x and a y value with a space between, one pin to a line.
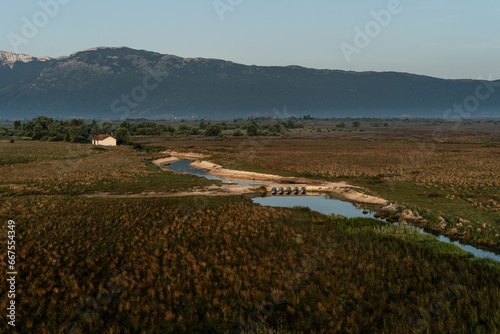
pixel 252 130
pixel 433 217
pixel 213 130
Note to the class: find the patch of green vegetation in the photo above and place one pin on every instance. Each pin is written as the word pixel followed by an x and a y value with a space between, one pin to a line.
pixel 148 148
pixel 407 193
pixel 432 217
pixel 358 223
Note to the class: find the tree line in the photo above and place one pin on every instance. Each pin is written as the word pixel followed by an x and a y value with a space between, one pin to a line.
pixel 78 131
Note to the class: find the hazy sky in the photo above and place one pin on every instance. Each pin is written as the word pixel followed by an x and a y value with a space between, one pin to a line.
pixel 442 38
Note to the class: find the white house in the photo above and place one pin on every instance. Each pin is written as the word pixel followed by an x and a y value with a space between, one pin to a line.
pixel 104 140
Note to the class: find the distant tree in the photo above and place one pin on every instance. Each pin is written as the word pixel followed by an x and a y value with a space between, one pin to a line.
pixel 37 128
pixel 78 132
pixel 160 129
pixel 170 129
pixel 237 133
pixel 252 130
pixel 194 131
pixel 122 135
pixel 17 125
pixel 183 128
pixel 341 125
pixel 126 125
pixel 291 124
pixel 56 131
pixel 39 132
pixel 106 127
pixel 94 129
pixel 356 124
pixel 203 125
pixel 213 130
pixel 79 139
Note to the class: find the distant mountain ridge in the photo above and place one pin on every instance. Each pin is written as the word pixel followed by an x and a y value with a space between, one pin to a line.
pixel 126 83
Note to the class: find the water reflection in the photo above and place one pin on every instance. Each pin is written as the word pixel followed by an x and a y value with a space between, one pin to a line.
pixel 321 204
pixel 183 167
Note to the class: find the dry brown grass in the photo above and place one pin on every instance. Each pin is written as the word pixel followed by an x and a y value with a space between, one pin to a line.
pixel 43 168
pixel 210 269
pixel 455 174
pixel 458 167
pixel 43 161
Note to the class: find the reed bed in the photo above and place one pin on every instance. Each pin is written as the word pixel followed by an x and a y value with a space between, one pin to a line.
pixel 208 265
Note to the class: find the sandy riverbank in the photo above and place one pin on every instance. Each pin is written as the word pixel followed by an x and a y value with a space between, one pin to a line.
pixel 313 187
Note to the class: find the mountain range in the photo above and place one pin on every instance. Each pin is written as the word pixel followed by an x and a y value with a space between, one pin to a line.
pixel 120 83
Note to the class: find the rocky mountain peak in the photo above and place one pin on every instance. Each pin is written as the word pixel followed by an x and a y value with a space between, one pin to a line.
pixel 9 58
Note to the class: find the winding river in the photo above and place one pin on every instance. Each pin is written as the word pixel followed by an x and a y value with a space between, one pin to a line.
pixel 321 204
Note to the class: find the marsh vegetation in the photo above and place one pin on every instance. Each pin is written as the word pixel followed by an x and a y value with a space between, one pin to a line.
pixel 224 264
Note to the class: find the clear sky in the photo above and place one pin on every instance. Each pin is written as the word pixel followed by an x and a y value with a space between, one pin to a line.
pixel 441 38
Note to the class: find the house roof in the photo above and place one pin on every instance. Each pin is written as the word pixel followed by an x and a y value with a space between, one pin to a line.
pixel 101 137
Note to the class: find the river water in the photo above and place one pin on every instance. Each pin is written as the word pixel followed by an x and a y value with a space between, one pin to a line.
pixel 321 204
pixel 182 166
